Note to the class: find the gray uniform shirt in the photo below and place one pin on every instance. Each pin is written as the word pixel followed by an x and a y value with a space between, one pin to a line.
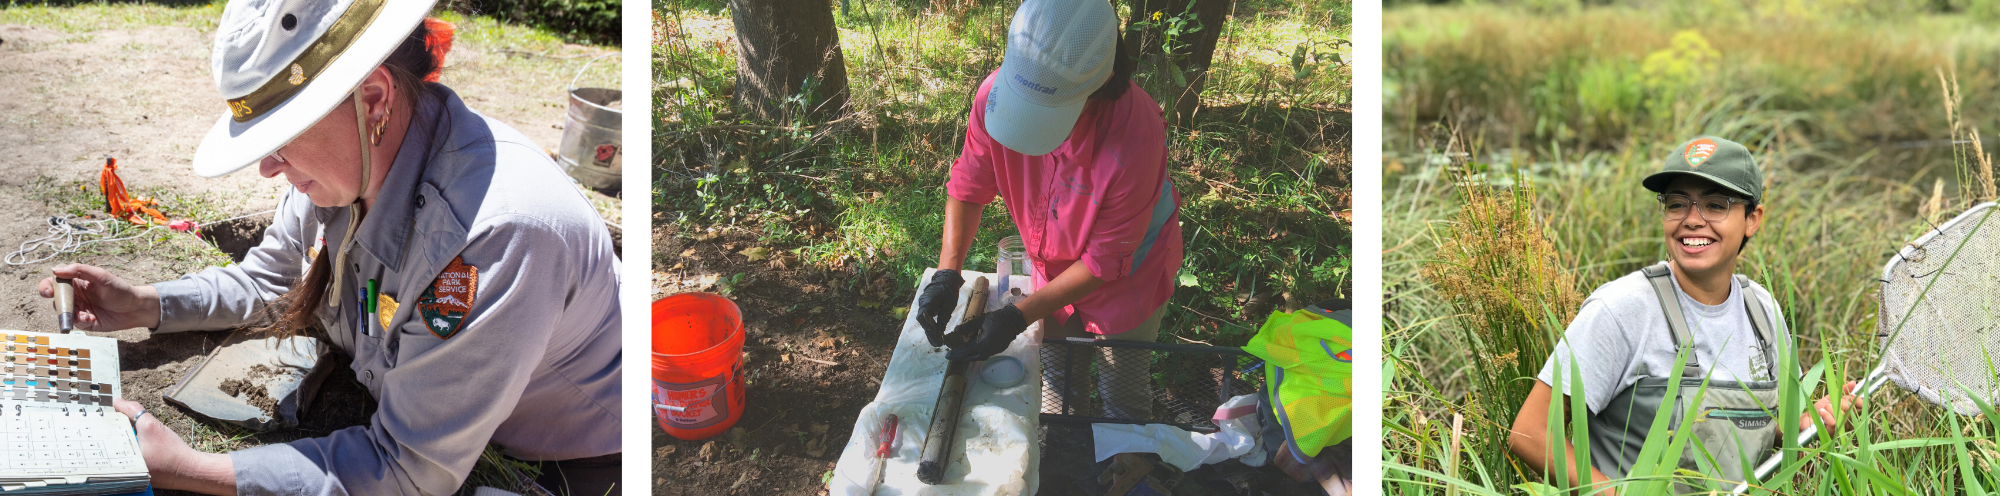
pixel 1620 335
pixel 534 364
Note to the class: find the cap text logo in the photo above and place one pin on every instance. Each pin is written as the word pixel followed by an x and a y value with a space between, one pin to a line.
pixel 1033 86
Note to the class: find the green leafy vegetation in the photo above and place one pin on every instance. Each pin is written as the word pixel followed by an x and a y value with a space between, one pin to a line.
pixel 594 21
pixel 1263 170
pixel 1612 76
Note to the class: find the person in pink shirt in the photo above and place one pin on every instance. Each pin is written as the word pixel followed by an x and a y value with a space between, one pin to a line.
pixel 1078 152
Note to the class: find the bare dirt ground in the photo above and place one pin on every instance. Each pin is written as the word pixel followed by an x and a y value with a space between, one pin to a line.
pixel 70 97
pixel 798 410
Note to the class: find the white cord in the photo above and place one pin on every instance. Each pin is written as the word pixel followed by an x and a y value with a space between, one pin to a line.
pixel 68 236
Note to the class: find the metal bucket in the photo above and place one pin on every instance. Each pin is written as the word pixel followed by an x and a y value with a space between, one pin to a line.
pixel 592 151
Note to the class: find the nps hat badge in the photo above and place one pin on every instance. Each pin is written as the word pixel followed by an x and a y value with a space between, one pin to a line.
pixel 1698 151
pixel 1713 159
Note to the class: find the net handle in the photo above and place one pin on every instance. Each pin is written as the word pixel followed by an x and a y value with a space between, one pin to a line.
pixel 1874 381
pixel 1876 378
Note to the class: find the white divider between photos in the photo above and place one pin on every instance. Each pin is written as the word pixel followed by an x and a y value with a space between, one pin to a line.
pixel 1367 187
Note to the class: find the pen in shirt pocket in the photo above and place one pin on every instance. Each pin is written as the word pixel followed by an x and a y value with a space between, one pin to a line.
pixel 368 308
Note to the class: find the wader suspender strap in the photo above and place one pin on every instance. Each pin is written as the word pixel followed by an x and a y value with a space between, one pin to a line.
pixel 1761 321
pixel 1663 287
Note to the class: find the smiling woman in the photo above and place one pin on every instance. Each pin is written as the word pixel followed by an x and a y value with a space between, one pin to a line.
pixel 1620 351
pixel 418 236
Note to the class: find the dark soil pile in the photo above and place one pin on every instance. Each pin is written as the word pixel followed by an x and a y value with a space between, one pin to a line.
pixel 255 389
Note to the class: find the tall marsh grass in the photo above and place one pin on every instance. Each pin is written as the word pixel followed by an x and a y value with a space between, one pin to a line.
pixel 1514 291
pixel 1613 75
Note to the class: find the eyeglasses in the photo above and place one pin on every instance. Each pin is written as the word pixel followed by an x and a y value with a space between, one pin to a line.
pixel 1713 208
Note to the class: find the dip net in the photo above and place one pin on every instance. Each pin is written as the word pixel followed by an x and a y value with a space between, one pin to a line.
pixel 1940 321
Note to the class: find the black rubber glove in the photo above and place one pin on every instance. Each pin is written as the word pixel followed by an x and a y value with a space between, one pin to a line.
pixel 935 305
pixel 996 330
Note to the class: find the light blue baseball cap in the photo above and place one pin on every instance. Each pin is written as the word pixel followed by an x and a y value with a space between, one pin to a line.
pixel 1058 53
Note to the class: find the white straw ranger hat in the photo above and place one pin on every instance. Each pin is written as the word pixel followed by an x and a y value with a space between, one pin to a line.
pixel 1058 53
pixel 284 64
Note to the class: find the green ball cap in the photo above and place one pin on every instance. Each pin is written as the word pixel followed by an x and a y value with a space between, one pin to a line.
pixel 1717 160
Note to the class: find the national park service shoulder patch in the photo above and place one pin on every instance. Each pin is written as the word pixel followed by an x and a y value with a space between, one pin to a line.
pixel 444 305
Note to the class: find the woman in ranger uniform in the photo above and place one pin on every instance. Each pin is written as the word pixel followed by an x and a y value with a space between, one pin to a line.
pixel 479 306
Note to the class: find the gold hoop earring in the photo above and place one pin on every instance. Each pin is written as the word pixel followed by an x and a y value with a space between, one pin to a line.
pixel 381 126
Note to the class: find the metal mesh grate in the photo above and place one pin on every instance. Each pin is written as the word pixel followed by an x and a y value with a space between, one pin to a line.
pixel 1947 347
pixel 1099 381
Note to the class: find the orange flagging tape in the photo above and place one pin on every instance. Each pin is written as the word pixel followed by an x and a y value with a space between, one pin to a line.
pixel 120 205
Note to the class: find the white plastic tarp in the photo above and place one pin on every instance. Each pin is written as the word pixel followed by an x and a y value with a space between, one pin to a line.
pixel 997 451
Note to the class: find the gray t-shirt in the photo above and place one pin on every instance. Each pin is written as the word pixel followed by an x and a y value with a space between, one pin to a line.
pixel 1620 336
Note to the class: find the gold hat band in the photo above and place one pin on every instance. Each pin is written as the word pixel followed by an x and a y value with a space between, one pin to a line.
pixel 308 65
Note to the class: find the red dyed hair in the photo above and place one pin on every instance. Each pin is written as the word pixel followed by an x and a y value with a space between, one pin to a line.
pixel 438 42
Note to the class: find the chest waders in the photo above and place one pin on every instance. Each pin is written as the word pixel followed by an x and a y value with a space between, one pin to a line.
pixel 1732 414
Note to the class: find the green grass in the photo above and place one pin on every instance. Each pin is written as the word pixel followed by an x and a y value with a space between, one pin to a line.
pixel 496 470
pixel 1609 76
pixel 1836 210
pixel 1263 171
pixel 490 31
pixel 182 252
pixel 86 17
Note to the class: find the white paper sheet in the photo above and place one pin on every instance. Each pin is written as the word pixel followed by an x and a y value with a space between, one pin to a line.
pixel 997 433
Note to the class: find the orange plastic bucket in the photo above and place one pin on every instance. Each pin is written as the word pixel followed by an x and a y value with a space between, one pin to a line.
pixel 697 365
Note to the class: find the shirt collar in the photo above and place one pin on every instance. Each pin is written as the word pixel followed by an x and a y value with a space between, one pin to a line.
pixel 386 231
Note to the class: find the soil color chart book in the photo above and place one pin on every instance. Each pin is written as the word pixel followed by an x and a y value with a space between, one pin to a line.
pixel 58 433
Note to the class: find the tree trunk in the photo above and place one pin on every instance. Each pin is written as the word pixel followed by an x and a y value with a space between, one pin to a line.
pixel 1195 50
pixel 782 44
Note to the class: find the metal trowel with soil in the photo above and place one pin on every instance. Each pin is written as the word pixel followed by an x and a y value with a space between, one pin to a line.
pixel 254 380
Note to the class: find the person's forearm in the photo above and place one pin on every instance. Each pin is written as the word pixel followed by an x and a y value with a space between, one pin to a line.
pixel 961 224
pixel 1067 288
pixel 206 473
pixel 149 314
pixel 1539 459
pixel 1529 440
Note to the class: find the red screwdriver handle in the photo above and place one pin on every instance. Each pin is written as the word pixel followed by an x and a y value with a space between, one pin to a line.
pixel 888 437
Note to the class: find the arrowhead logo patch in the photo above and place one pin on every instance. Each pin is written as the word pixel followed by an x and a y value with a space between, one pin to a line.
pixel 1699 151
pixel 444 305
pixel 385 309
